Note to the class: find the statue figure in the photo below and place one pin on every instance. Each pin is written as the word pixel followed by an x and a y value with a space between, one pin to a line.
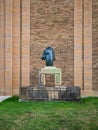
pixel 48 55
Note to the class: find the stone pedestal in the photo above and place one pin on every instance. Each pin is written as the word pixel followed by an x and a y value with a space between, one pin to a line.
pixel 50 70
pixel 50 93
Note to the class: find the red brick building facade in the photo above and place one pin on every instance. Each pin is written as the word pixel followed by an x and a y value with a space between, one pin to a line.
pixel 27 27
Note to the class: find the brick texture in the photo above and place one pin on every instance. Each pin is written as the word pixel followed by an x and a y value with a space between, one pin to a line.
pixel 8 47
pixel 52 24
pixel 87 44
pixel 78 33
pixel 27 27
pixel 95 44
pixel 50 80
pixel 2 50
pixel 25 43
pixel 16 47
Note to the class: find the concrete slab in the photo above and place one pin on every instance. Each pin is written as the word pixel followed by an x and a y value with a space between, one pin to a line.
pixel 2 98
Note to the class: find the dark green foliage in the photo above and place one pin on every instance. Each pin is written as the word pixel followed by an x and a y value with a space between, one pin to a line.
pixel 81 115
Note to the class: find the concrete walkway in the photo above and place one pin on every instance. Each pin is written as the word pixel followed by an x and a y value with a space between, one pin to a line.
pixel 2 98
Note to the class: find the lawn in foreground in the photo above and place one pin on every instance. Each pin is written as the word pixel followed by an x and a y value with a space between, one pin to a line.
pixel 81 115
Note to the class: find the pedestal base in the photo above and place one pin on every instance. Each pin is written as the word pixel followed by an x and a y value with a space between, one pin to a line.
pixel 49 93
pixel 50 70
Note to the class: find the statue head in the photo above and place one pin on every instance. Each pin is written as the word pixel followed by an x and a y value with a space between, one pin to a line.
pixel 48 56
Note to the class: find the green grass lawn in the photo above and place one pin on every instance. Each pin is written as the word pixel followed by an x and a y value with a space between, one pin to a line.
pixel 81 115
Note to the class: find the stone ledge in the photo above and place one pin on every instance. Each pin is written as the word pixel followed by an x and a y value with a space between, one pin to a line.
pixel 49 93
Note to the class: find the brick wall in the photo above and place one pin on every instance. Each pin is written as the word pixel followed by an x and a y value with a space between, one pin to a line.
pixel 27 27
pixel 52 24
pixel 14 36
pixel 95 44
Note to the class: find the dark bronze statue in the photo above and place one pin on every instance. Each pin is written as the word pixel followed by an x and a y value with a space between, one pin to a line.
pixel 48 55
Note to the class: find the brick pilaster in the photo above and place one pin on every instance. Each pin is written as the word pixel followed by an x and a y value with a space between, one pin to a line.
pixel 16 47
pixel 78 43
pixel 87 44
pixel 2 47
pixel 8 47
pixel 25 44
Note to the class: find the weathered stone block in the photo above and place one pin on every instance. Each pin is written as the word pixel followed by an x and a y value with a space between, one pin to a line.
pixel 71 93
pixel 49 93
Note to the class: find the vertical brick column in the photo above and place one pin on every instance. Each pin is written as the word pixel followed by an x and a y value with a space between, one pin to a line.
pixel 16 46
pixel 87 44
pixel 2 53
pixel 25 52
pixel 78 43
pixel 2 49
pixel 8 47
